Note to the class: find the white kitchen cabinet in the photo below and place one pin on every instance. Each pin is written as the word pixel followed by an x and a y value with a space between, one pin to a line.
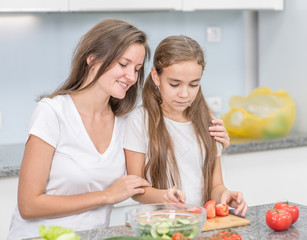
pixel 123 5
pixel 268 176
pixel 191 5
pixel 8 202
pixel 136 5
pixel 118 215
pixel 33 5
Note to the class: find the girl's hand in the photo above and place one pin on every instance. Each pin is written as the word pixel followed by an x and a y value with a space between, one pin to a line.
pixel 219 132
pixel 235 200
pixel 125 187
pixel 174 195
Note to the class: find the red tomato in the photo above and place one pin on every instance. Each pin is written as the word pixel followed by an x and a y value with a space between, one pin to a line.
pixel 177 236
pixel 221 210
pixel 195 210
pixel 292 209
pixel 210 207
pixel 278 219
pixel 226 235
pixel 235 236
pixel 221 233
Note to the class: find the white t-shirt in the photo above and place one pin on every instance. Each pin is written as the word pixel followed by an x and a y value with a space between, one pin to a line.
pixel 77 167
pixel 187 151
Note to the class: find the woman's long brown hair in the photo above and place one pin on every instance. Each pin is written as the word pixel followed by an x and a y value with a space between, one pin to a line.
pixel 162 165
pixel 106 41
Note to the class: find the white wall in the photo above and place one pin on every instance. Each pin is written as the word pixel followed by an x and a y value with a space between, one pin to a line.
pixel 36 50
pixel 283 54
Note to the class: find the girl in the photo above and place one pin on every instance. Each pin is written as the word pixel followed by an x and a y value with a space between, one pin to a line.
pixel 73 165
pixel 167 141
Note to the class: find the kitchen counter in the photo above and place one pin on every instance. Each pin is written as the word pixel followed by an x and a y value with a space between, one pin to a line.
pixel 10 159
pixel 256 230
pixel 243 145
pixel 11 155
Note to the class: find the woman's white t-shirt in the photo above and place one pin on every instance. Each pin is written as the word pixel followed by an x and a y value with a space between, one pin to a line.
pixel 186 148
pixel 77 166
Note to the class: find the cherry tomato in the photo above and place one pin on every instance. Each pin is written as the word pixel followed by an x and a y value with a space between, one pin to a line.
pixel 226 235
pixel 292 209
pixel 177 236
pixel 210 207
pixel 195 210
pixel 221 210
pixel 278 219
pixel 221 233
pixel 235 236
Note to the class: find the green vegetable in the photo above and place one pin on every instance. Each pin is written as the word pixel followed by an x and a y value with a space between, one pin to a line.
pixel 57 233
pixel 131 238
pixel 165 229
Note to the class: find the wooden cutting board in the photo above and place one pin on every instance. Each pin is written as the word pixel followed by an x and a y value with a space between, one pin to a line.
pixel 224 222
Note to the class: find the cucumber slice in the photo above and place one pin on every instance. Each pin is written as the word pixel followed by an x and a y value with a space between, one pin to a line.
pixel 163 228
pixel 164 236
pixel 184 221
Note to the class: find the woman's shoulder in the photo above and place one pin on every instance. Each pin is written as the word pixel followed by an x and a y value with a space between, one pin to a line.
pixel 57 103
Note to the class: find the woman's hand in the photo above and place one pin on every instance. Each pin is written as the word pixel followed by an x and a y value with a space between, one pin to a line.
pixel 174 195
pixel 219 132
pixel 126 187
pixel 235 200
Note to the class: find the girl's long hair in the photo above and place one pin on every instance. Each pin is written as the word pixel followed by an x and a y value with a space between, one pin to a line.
pixel 106 41
pixel 162 165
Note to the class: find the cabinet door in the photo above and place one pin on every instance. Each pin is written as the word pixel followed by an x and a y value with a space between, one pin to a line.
pixel 124 5
pixel 33 5
pixel 190 5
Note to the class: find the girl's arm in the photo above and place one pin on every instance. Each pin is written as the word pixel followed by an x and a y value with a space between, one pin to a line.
pixel 222 195
pixel 135 163
pixel 33 202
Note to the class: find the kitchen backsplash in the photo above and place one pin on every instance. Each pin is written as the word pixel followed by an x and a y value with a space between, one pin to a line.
pixel 36 51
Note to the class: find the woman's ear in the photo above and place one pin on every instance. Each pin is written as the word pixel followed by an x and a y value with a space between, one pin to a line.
pixel 90 59
pixel 155 76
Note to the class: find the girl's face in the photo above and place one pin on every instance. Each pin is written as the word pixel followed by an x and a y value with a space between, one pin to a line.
pixel 123 73
pixel 179 84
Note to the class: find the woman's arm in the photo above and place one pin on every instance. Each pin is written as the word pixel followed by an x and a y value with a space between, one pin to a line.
pixel 33 202
pixel 135 163
pixel 219 132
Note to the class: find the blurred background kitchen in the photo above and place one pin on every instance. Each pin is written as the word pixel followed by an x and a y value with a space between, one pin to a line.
pixel 247 43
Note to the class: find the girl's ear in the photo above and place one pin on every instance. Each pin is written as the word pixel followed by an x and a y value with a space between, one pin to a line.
pixel 90 59
pixel 155 76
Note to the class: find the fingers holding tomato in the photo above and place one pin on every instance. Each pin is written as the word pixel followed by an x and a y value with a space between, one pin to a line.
pixel 221 210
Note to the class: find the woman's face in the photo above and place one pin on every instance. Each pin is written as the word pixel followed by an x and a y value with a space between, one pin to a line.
pixel 179 84
pixel 123 73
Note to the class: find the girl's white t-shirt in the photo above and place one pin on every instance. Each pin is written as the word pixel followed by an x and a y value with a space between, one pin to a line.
pixel 186 148
pixel 77 166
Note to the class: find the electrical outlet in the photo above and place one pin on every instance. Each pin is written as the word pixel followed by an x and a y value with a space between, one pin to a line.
pixel 213 34
pixel 215 104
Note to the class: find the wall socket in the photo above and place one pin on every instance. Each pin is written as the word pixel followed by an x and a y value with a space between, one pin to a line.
pixel 215 103
pixel 213 34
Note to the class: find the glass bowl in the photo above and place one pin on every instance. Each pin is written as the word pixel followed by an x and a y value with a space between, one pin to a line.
pixel 164 220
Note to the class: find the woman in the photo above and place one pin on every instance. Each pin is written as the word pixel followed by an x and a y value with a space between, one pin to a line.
pixel 73 168
pixel 167 141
